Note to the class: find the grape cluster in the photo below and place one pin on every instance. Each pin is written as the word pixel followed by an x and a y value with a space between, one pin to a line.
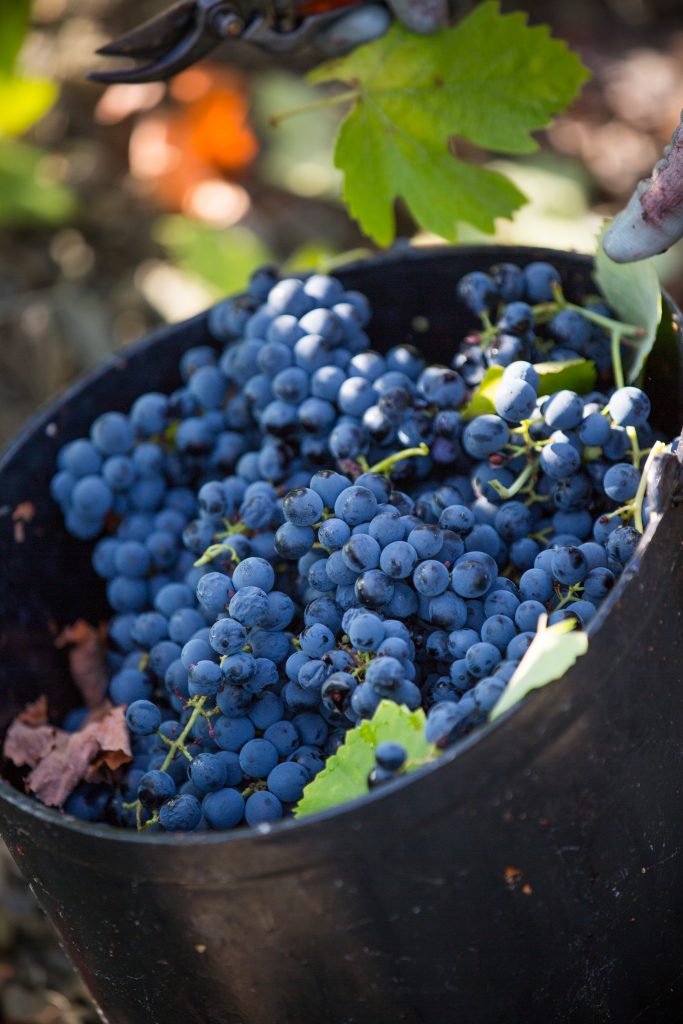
pixel 307 527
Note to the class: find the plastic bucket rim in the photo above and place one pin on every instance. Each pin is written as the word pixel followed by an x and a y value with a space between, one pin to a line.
pixel 98 830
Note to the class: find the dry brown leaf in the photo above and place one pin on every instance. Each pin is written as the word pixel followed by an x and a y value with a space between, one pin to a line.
pixel 29 744
pixel 86 660
pixel 60 760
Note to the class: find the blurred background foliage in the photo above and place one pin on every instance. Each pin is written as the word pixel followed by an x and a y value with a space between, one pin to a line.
pixel 128 206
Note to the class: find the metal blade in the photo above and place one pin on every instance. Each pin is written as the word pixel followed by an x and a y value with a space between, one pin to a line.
pixel 155 36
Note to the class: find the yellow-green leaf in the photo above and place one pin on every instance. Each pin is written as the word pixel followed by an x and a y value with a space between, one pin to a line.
pixel 553 651
pixel 345 775
pixel 481 401
pixel 577 375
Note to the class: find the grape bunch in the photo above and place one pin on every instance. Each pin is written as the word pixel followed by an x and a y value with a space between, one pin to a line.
pixel 307 527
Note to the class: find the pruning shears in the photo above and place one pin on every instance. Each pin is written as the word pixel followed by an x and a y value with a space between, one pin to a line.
pixel 191 29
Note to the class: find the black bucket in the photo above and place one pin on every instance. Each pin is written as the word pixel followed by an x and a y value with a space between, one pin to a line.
pixel 535 874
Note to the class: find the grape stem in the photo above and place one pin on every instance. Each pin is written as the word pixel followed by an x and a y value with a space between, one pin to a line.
pixel 197 704
pixel 386 465
pixel 516 487
pixel 348 96
pixel 215 551
pixel 657 449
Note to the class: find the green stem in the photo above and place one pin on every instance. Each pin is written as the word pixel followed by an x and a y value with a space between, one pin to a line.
pixel 656 450
pixel 576 588
pixel 325 101
pixel 178 744
pixel 514 488
pixel 386 465
pixel 215 551
pixel 636 454
pixel 617 368
pixel 606 322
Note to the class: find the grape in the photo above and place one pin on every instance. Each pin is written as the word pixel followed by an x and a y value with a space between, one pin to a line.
pixel 521 370
pixel 231 734
pixel 355 505
pixel 130 686
pixel 621 482
pixel 629 407
pixel 223 808
pixel 478 291
pixel 181 813
pixel 361 552
pixel 253 572
pixel 112 434
pixel 374 588
pixel 517 319
pixel 155 788
pixel 594 430
pixel 485 435
pixel 570 329
pixel 431 578
pixel 287 781
pixel 499 630
pixel 398 559
pixel 207 772
pixel 472 577
pixel 80 458
pixel 569 565
pixel 598 582
pixel 622 543
pixel 539 277
pixel 388 581
pixel 515 400
pixel 509 281
pixel 262 807
pixel 91 497
pixel 560 460
pixel 293 541
pixel 518 646
pixel 258 758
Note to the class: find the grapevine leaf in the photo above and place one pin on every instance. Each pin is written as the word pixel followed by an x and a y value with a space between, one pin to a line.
pixel 633 292
pixel 577 375
pixel 490 79
pixel 345 775
pixel 481 401
pixel 574 374
pixel 554 650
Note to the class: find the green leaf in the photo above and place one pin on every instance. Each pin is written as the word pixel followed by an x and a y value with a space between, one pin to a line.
pixel 23 101
pixel 14 21
pixel 554 650
pixel 491 79
pixel 481 401
pixel 28 194
pixel 223 258
pixel 633 291
pixel 577 375
pixel 345 775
